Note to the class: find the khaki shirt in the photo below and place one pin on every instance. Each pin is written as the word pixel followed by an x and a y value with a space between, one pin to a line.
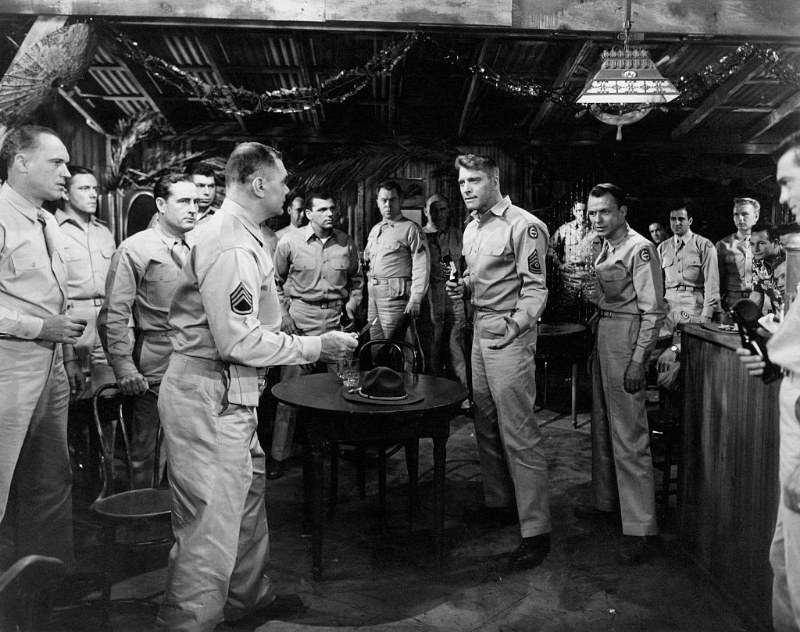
pixel 33 284
pixel 308 269
pixel 226 305
pixel 569 238
pixel 88 249
pixel 505 249
pixel 629 282
pixel 692 267
pixel 141 281
pixel 440 243
pixel 399 249
pixel 735 264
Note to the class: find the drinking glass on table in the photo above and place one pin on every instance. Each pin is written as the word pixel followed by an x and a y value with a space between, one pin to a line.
pixel 348 371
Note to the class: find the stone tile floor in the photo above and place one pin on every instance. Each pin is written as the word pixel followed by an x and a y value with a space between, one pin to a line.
pixel 392 582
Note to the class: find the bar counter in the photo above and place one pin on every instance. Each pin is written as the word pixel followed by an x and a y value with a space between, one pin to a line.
pixel 729 479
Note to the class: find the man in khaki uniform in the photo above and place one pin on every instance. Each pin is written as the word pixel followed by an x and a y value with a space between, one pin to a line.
pixel 226 320
pixel 505 248
pixel 317 273
pixel 736 255
pixel 631 308
pixel 133 319
pixel 691 280
pixel 88 246
pixel 784 350
pixel 38 367
pixel 399 264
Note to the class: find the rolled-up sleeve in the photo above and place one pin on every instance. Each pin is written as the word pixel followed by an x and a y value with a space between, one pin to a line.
pixel 530 248
pixel 649 287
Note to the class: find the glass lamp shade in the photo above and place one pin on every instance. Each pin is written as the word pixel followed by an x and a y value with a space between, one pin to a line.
pixel 627 76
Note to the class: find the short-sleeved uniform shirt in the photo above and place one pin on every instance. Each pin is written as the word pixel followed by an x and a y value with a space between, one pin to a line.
pixel 398 249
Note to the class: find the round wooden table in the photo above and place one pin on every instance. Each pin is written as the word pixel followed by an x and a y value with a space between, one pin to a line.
pixel 325 415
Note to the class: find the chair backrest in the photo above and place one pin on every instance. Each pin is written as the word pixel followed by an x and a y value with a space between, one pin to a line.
pixel 112 411
pixel 26 591
pixel 391 354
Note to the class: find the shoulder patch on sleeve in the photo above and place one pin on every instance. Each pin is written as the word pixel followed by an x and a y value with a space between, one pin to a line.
pixel 533 232
pixel 644 254
pixel 534 264
pixel 241 300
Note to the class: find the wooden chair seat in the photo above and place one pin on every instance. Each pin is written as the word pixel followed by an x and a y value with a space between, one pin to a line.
pixel 140 504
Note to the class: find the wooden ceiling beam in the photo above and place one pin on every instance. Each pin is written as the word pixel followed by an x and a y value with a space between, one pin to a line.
pixel 718 97
pixel 473 88
pixel 790 106
pixel 574 58
pixel 218 76
pixel 299 51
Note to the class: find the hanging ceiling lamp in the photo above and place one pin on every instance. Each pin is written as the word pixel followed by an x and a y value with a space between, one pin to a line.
pixel 627 86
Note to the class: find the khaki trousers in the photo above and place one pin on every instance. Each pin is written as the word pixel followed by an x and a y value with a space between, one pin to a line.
pixel 35 473
pixel 217 566
pixel 510 444
pixel 622 466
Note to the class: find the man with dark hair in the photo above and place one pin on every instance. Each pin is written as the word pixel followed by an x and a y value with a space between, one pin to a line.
pixel 505 249
pixel 317 272
pixel 39 369
pixel 691 280
pixel 735 254
pixel 204 178
pixel 657 232
pixel 769 269
pixel 133 323
pixel 631 308
pixel 88 246
pixel 226 319
pixel 784 350
pixel 296 210
pixel 399 264
pixel 787 234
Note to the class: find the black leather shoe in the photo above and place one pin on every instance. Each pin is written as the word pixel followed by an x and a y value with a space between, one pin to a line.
pixel 637 549
pixel 530 553
pixel 492 516
pixel 590 512
pixel 275 469
pixel 282 607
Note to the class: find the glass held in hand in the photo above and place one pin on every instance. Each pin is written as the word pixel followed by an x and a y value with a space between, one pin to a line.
pixel 348 371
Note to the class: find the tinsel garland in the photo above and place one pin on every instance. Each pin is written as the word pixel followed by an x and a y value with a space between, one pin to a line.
pixel 240 101
pixel 232 99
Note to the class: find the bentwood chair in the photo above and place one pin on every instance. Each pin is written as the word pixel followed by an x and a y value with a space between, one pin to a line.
pixel 390 353
pixel 132 519
pixel 26 593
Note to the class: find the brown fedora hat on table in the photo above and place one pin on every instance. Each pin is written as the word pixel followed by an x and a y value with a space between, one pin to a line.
pixel 382 386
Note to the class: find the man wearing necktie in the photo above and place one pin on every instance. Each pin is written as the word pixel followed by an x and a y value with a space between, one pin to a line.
pixel 38 369
pixel 631 308
pixel 88 246
pixel 735 254
pixel 691 280
pixel 142 278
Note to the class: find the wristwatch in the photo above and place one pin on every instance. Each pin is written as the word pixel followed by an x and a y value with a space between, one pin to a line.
pixel 674 349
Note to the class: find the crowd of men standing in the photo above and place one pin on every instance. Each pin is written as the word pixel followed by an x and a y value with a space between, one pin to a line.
pixel 188 316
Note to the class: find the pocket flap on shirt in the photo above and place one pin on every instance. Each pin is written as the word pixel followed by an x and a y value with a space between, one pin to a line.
pixel 29 261
pixel 612 275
